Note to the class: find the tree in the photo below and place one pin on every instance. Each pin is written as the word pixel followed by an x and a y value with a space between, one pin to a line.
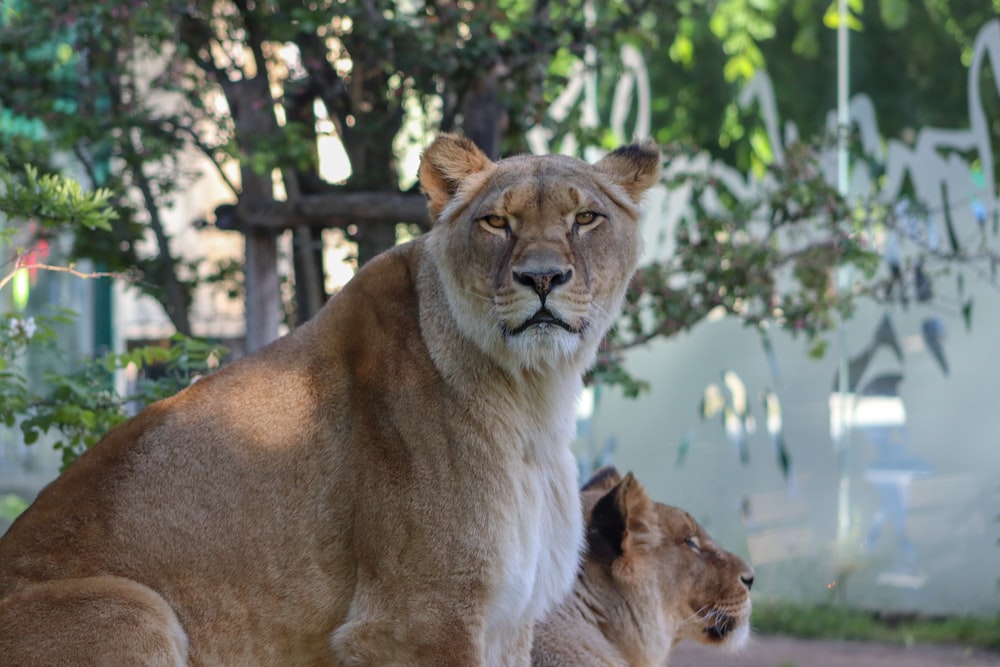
pixel 284 71
pixel 715 48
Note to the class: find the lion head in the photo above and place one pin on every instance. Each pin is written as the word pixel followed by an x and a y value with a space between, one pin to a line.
pixel 651 577
pixel 535 251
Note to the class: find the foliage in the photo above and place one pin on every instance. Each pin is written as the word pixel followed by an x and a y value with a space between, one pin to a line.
pixel 770 260
pixel 71 88
pixel 828 622
pixel 715 47
pixel 126 88
pixel 11 505
pixel 53 200
pixel 80 405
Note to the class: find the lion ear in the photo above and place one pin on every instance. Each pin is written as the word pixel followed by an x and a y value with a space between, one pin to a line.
pixel 445 164
pixel 635 167
pixel 622 521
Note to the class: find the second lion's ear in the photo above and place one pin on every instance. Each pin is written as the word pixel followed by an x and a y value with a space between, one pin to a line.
pixel 621 521
pixel 606 528
pixel 445 164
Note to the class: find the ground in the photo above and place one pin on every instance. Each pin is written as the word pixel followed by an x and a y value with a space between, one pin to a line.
pixel 767 651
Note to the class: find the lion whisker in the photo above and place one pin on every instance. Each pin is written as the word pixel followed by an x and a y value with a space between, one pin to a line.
pixel 694 617
pixel 478 296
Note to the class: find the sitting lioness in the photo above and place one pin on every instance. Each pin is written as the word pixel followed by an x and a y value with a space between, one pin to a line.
pixel 650 578
pixel 390 484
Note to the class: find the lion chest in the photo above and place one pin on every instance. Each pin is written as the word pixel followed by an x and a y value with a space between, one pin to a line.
pixel 539 551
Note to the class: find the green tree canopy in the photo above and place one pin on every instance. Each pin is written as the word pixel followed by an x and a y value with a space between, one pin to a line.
pixel 123 88
pixel 911 58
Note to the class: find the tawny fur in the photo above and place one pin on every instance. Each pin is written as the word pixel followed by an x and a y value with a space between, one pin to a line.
pixel 390 484
pixel 651 577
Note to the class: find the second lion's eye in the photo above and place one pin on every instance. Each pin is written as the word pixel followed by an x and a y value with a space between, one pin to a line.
pixel 585 217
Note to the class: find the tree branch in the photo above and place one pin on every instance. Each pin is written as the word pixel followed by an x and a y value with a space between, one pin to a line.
pixel 58 269
pixel 175 304
pixel 207 150
pixel 255 38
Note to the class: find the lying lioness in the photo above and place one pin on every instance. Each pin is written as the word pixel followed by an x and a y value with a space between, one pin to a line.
pixel 650 578
pixel 390 484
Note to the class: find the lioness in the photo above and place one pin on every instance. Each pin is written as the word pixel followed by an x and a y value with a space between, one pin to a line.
pixel 390 484
pixel 650 578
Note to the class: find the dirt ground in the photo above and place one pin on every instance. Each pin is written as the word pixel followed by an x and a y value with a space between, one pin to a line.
pixel 786 652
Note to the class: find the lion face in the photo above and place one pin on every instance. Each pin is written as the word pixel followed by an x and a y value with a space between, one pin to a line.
pixel 535 252
pixel 665 567
pixel 706 588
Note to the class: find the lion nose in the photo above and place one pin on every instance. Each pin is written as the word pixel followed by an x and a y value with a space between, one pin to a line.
pixel 747 580
pixel 543 282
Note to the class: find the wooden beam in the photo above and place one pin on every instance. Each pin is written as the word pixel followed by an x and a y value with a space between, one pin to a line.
pixel 337 209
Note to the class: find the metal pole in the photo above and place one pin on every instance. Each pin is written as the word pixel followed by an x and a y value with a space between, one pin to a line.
pixel 843 439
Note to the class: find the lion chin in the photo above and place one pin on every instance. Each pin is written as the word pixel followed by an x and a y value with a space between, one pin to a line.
pixel 543 340
pixel 651 577
pixel 389 484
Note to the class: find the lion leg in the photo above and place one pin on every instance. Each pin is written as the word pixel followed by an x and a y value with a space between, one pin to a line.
pixel 96 621
pixel 366 643
pixel 514 650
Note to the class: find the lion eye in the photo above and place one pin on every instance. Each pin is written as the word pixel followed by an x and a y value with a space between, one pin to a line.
pixel 693 543
pixel 495 221
pixel 586 218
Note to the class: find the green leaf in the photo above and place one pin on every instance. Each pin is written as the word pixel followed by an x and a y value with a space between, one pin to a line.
pixel 895 13
pixel 737 68
pixel 831 19
pixel 682 50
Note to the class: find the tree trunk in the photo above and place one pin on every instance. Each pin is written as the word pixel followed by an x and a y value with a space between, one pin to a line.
pixel 263 296
pixel 250 103
pixel 307 248
pixel 307 263
pixel 175 296
pixel 484 118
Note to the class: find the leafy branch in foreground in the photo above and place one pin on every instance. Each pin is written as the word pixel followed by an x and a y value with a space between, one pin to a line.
pixel 80 405
pixel 52 200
